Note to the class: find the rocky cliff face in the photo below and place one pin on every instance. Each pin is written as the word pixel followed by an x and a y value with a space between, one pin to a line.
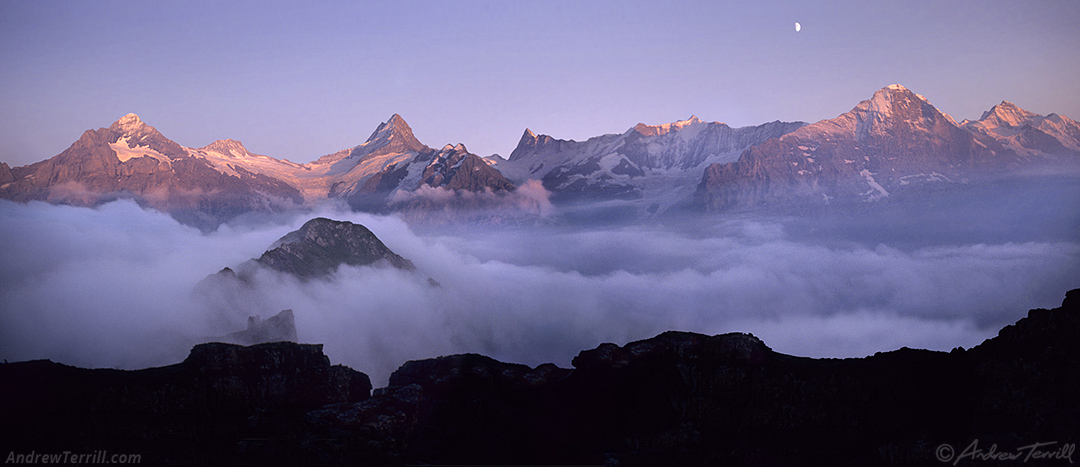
pixel 675 399
pixel 5 175
pixel 895 141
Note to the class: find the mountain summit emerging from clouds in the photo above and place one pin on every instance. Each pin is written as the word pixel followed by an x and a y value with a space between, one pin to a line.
pixel 895 141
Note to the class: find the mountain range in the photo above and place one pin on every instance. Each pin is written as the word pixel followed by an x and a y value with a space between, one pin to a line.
pixel 894 142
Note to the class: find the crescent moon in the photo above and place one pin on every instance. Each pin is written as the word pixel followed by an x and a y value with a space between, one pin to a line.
pixel 798 26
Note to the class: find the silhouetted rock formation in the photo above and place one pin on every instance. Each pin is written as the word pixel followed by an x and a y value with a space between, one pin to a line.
pixel 676 399
pixel 278 328
pixel 199 411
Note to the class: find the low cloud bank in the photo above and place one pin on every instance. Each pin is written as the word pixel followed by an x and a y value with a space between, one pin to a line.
pixel 116 286
pixel 528 201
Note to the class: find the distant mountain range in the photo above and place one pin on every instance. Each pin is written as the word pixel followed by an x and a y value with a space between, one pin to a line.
pixel 896 141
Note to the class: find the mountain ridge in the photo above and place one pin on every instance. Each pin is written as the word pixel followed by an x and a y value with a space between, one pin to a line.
pixel 894 141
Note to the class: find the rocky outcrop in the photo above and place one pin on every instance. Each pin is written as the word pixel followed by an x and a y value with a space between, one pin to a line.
pixel 690 399
pixel 676 399
pixel 321 245
pixel 278 328
pixel 205 410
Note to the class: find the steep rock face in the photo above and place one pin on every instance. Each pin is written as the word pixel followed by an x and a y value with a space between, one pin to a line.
pixel 894 139
pixel 199 411
pixel 131 158
pixel 321 245
pixel 647 161
pixel 5 174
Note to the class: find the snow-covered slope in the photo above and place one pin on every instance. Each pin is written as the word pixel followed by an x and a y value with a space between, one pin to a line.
pixel 1026 133
pixel 657 165
pixel 896 140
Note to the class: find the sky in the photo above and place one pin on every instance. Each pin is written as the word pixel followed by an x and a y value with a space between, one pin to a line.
pixel 300 80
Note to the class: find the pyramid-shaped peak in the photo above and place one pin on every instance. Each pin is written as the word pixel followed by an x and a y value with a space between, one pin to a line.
pixel 394 126
pixel 1008 113
pixel 883 100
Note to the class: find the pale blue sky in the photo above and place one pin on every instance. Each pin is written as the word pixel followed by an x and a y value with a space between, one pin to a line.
pixel 299 81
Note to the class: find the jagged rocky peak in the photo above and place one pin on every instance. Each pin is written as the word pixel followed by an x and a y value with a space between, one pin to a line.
pixel 529 143
pixel 460 147
pixel 395 133
pixel 321 245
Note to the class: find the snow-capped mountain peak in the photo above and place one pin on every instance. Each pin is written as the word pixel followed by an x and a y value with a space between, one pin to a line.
pixel 895 106
pixel 1007 113
pixel 228 147
pixel 394 129
pixel 129 123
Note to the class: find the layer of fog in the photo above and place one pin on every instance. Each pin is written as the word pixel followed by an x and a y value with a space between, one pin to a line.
pixel 114 287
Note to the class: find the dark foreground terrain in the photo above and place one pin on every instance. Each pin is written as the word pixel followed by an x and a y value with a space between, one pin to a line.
pixel 676 399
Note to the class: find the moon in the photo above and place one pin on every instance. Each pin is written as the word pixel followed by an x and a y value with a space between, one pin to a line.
pixel 798 26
